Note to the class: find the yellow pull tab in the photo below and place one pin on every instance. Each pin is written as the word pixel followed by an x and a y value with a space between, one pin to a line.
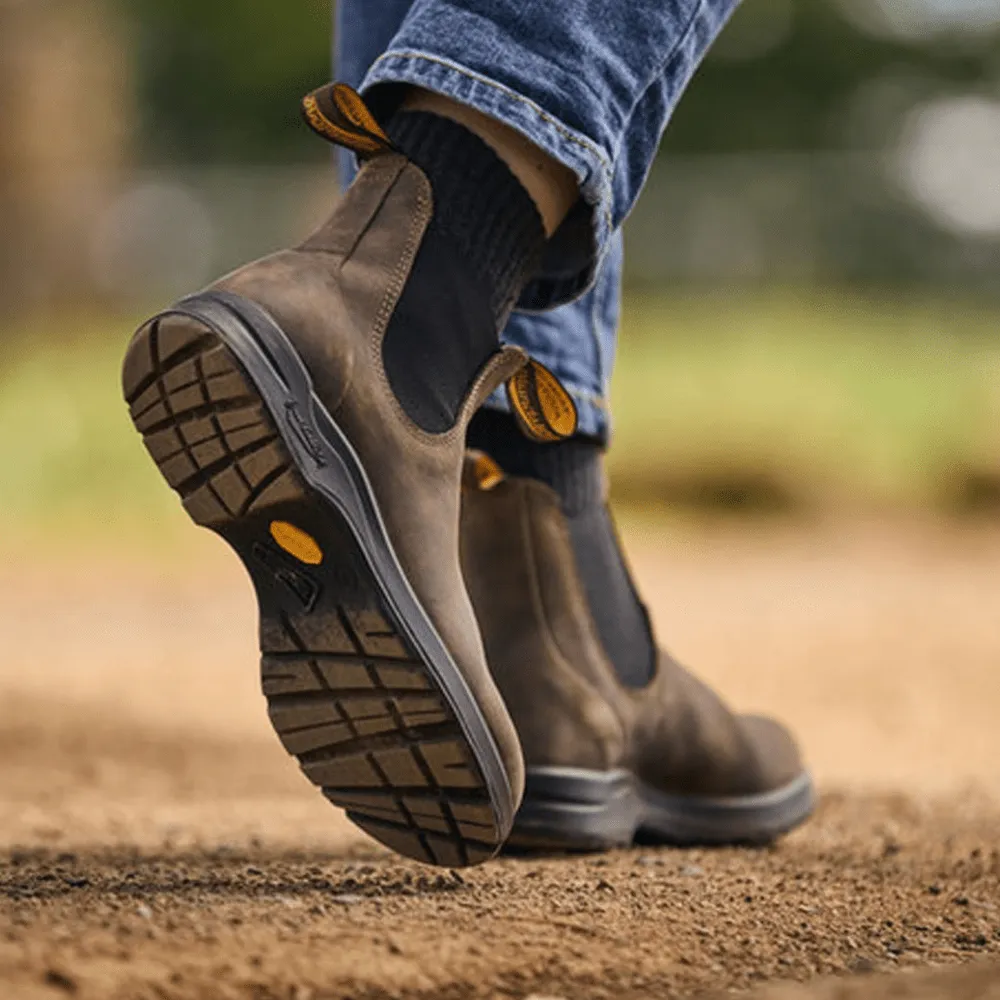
pixel 337 112
pixel 544 409
pixel 480 472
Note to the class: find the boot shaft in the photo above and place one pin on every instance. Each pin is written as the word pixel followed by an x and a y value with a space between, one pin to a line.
pixel 540 641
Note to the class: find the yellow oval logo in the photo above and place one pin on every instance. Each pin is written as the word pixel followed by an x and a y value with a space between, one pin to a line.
pixel 544 408
pixel 297 543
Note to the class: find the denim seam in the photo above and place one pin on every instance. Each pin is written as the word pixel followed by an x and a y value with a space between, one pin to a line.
pixel 595 333
pixel 584 395
pixel 606 167
pixel 696 15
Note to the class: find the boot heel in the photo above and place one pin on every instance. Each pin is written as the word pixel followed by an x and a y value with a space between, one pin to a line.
pixel 571 809
pixel 204 424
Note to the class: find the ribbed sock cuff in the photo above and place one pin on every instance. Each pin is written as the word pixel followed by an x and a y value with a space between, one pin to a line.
pixel 573 468
pixel 478 203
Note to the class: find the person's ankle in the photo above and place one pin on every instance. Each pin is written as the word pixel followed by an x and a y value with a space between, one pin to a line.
pixel 574 468
pixel 482 243
pixel 552 186
pixel 481 210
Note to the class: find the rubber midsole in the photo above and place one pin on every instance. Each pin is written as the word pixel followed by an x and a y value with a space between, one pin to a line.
pixel 581 806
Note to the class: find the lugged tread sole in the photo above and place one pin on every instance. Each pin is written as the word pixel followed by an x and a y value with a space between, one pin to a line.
pixel 347 694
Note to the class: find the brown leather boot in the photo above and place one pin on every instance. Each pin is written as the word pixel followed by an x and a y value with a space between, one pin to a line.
pixel 265 404
pixel 607 764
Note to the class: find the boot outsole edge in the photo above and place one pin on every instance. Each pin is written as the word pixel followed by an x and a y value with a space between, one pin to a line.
pixel 573 809
pixel 360 687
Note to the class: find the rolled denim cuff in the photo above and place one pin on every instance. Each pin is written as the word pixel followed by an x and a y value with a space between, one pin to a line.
pixel 576 250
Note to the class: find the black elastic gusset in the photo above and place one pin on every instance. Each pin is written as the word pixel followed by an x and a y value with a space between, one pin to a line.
pixel 575 470
pixel 478 203
pixel 440 335
pixel 619 615
pixel 482 245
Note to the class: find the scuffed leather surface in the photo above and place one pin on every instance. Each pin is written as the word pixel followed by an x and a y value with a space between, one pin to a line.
pixel 563 693
pixel 333 297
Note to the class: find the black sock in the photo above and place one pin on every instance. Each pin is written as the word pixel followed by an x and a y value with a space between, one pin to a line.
pixel 574 469
pixel 483 244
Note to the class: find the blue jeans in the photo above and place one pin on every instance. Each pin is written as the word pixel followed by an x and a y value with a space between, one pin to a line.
pixel 593 83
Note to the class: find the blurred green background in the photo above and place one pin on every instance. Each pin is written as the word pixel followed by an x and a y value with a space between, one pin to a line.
pixel 813 274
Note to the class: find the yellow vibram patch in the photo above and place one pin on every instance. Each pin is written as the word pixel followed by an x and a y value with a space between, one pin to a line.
pixel 297 543
pixel 544 409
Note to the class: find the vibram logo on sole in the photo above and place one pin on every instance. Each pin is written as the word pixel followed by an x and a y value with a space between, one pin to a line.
pixel 305 589
pixel 297 543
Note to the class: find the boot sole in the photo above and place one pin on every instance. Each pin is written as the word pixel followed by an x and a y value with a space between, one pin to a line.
pixel 360 687
pixel 569 809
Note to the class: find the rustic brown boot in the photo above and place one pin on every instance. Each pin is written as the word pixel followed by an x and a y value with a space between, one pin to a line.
pixel 265 404
pixel 607 764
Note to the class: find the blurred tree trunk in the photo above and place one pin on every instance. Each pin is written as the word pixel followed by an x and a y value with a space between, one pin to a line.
pixel 65 116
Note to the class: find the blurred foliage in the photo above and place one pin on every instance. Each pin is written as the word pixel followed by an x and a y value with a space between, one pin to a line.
pixel 82 471
pixel 792 96
pixel 792 403
pixel 222 82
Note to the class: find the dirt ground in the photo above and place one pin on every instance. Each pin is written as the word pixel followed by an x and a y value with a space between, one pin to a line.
pixel 156 842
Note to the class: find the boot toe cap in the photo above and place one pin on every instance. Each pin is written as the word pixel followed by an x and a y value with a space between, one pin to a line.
pixel 778 758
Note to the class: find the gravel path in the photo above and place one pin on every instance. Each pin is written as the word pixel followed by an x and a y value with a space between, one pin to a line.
pixel 155 842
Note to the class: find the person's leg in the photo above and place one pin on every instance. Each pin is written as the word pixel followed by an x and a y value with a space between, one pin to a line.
pixel 592 84
pixel 574 467
pixel 312 409
pixel 577 342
